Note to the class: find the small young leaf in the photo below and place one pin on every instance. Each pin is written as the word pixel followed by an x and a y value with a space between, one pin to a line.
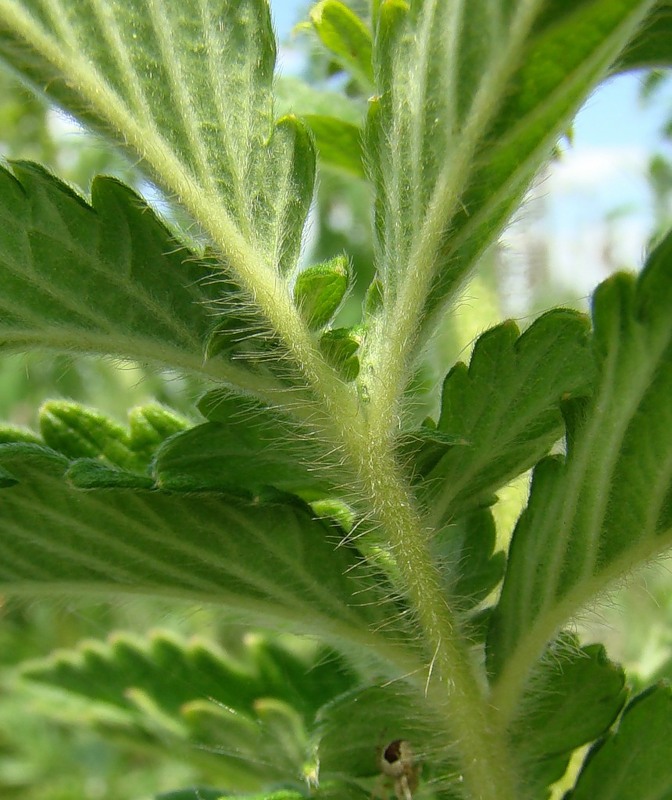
pixel 244 453
pixel 606 507
pixel 346 36
pixel 635 762
pixel 320 290
pixel 85 434
pixel 334 120
pixel 80 432
pixel 338 142
pixel 339 346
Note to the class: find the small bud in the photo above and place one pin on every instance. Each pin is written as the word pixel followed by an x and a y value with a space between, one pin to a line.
pixel 320 290
pixel 339 346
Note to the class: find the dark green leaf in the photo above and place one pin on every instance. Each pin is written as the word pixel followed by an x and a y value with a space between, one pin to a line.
pixel 198 793
pixel 338 142
pixel 339 346
pixel 652 47
pixel 635 763
pixel 107 278
pixel 575 696
pixel 319 291
pixel 241 451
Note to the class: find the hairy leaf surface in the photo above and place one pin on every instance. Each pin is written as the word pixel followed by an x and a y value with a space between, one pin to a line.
pixel 187 86
pixel 267 562
pixel 606 507
pixel 452 151
pixel 242 451
pixel 107 278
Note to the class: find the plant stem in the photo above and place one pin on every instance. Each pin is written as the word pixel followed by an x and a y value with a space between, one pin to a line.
pixel 452 684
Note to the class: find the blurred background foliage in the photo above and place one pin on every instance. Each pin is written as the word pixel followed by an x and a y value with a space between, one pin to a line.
pixel 57 760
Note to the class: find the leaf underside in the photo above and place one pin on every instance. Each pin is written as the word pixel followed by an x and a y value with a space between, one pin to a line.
pixel 607 506
pixel 265 561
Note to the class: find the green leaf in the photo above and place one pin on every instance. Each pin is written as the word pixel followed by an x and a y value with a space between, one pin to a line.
pixel 84 433
pixel 500 415
pixel 633 763
pixel 165 691
pixel 267 562
pixel 339 346
pixel 339 143
pixel 242 451
pixel 652 46
pixel 189 91
pixel 281 795
pixel 198 793
pixel 470 567
pixel 356 727
pixel 346 36
pixel 575 697
pixel 452 151
pixel 607 507
pixel 334 120
pixel 319 291
pixel 107 278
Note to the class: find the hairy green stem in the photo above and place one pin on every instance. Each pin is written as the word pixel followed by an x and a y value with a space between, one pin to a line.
pixel 451 682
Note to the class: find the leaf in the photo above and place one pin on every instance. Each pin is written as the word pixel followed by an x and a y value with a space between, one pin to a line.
pixel 264 561
pixel 574 698
pixel 80 432
pixel 107 278
pixel 281 795
pixel 339 143
pixel 334 119
pixel 320 290
pixel 452 152
pixel 189 91
pixel 356 726
pixel 651 47
pixel 633 763
pixel 607 507
pixel 198 793
pixel 500 415
pixel 470 568
pixel 346 36
pixel 166 691
pixel 241 450
pixel 339 346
